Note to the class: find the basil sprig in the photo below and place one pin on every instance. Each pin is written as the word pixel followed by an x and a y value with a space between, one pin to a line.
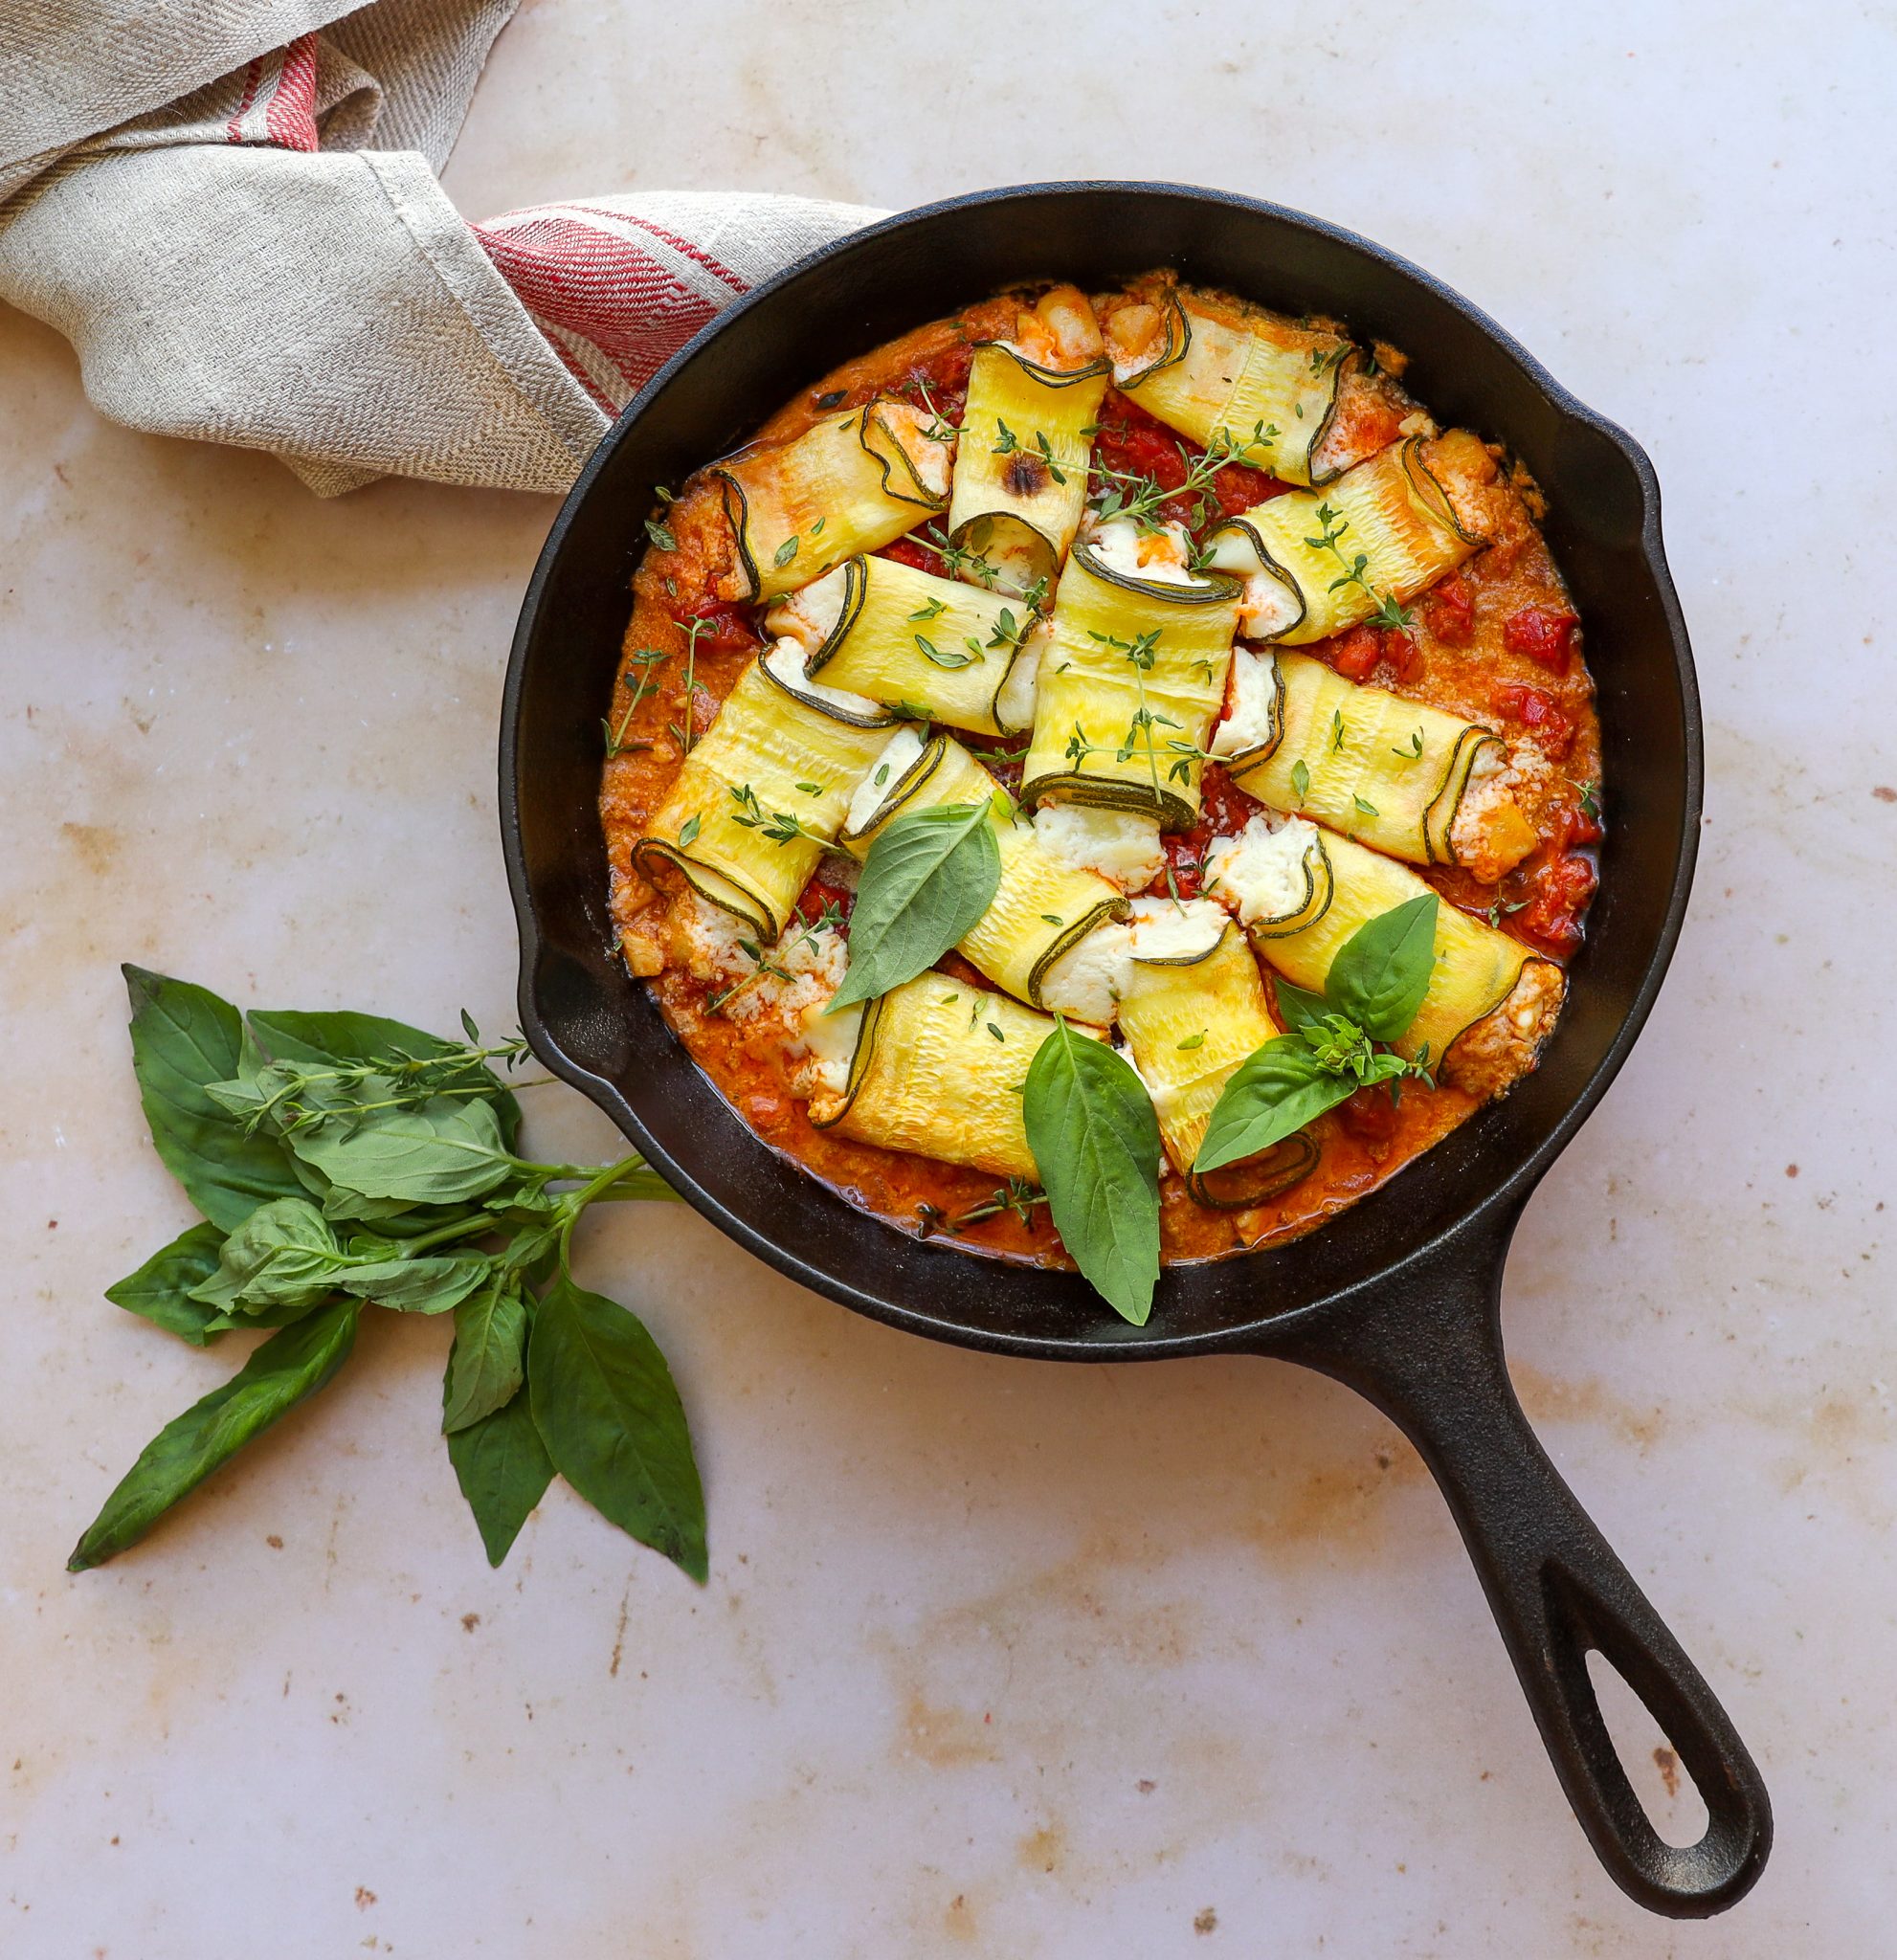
pixel 1374 991
pixel 342 1160
pixel 1095 1138
pixel 929 876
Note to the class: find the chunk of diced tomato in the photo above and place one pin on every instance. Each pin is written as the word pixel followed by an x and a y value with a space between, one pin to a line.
pixel 1544 637
pixel 1355 654
pixel 1553 728
pixel 1450 612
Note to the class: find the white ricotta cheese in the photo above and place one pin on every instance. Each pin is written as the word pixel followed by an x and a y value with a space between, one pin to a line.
pixel 1122 845
pixel 1260 873
pixel 1251 703
pixel 1490 780
pixel 1087 981
pixel 1266 605
pixel 1167 933
pixel 785 662
pixel 932 460
pixel 810 616
pixel 1013 705
pixel 899 755
pixel 1160 556
pixel 828 1042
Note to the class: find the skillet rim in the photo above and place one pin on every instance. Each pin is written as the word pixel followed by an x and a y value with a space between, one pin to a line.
pixel 1498 1204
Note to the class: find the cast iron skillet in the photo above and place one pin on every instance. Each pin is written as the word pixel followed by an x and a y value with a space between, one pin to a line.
pixel 1399 1298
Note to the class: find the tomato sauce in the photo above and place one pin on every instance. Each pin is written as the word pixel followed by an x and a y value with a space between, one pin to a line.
pixel 1497 641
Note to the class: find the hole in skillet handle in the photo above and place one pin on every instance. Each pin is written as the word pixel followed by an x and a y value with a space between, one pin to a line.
pixel 1668 1796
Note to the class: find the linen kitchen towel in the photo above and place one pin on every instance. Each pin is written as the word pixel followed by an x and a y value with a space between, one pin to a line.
pixel 230 208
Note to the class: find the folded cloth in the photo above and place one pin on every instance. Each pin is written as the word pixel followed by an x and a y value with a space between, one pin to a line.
pixel 231 208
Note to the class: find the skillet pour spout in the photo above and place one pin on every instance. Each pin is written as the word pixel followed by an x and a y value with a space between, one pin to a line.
pixel 1399 1298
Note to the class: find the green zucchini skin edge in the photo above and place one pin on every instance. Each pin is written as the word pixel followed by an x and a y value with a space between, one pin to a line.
pixel 1443 506
pixel 1275 928
pixel 1247 758
pixel 737 512
pixel 880 719
pixel 1192 959
pixel 856 592
pixel 1455 787
pixel 737 507
pixel 1268 564
pixel 1046 562
pixel 1173 812
pixel 1287 1162
pixel 1052 377
pixel 899 792
pixel 1179 343
pixel 1214 588
pixel 760 918
pixel 859 1060
pixel 1071 936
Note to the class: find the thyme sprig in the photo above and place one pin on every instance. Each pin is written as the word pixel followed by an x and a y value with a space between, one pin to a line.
pixel 646 660
pixel 1140 496
pixel 1385 610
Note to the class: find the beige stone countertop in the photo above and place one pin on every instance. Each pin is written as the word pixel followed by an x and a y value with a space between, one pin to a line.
pixel 997 1659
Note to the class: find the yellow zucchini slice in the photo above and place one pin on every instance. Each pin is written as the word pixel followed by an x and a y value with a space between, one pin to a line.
pixel 1128 688
pixel 1194 1009
pixel 779 754
pixel 1361 759
pixel 939 650
pixel 938 1069
pixel 1239 373
pixel 1021 463
pixel 852 483
pixel 1041 909
pixel 1391 512
pixel 1476 966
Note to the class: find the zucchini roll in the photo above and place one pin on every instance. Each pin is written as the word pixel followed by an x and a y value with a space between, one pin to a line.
pixel 1299 554
pixel 1215 367
pixel 1038 937
pixel 1403 778
pixel 852 483
pixel 1128 688
pixel 770 776
pixel 1026 442
pixel 942 651
pixel 1194 1009
pixel 1303 892
pixel 938 1069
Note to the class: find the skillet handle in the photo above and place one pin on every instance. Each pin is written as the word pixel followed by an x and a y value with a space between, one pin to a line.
pixel 1425 1347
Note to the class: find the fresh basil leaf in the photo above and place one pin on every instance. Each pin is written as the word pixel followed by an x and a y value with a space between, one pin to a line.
pixel 488 1361
pixel 430 1284
pixel 1298 1009
pixel 1274 1092
pixel 288 1367
pixel 281 1314
pixel 184 1037
pixel 442 1152
pixel 314 1038
pixel 1095 1138
pixel 1383 970
pixel 161 1289
pixel 283 1254
pixel 929 878
pixel 611 1419
pixel 503 1470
